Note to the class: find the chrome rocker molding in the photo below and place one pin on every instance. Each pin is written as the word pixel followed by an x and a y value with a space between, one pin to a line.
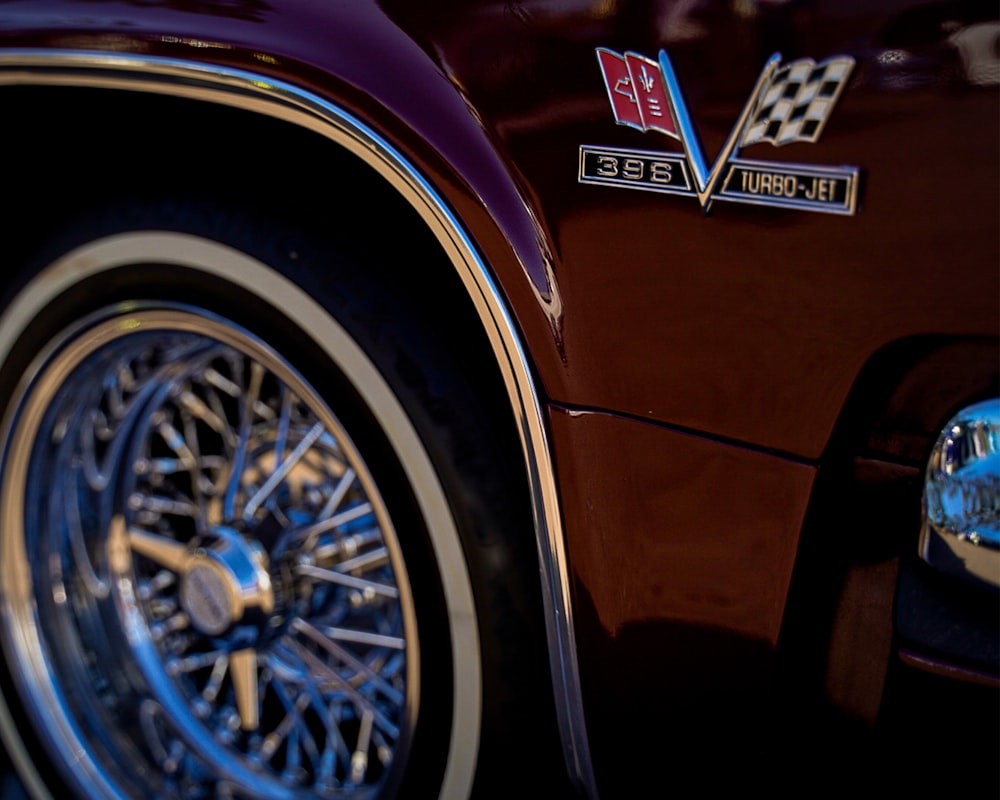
pixel 261 94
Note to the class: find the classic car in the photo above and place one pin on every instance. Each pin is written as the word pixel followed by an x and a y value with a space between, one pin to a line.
pixel 580 398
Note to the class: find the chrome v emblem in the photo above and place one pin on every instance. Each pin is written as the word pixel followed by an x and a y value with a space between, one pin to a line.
pixel 790 103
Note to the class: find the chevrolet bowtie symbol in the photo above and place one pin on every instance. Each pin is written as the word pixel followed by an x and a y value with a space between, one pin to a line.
pixel 790 103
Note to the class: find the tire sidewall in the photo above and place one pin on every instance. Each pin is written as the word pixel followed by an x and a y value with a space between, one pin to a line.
pixel 246 276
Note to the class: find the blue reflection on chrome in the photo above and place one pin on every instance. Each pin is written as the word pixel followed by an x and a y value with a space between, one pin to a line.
pixel 961 530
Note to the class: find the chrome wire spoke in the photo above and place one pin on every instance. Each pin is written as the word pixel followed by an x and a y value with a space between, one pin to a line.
pixel 342 656
pixel 281 472
pixel 362 637
pixel 367 588
pixel 248 403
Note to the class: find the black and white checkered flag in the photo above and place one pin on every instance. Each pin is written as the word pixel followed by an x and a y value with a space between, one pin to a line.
pixel 796 102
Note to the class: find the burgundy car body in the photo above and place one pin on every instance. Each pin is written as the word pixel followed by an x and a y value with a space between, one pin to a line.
pixel 735 408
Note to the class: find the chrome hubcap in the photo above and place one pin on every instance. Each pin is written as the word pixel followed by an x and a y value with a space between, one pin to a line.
pixel 203 590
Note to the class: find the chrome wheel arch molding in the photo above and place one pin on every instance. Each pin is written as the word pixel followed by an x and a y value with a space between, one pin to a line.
pixel 261 94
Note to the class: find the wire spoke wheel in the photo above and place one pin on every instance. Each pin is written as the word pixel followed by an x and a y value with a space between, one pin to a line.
pixel 265 529
pixel 207 592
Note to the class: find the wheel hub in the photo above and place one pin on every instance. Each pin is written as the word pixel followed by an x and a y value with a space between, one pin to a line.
pixel 208 598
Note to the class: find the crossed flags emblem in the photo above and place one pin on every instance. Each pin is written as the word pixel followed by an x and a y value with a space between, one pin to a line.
pixel 790 103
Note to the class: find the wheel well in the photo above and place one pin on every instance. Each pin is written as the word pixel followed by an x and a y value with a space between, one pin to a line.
pixel 872 468
pixel 858 549
pixel 84 149
pixel 907 391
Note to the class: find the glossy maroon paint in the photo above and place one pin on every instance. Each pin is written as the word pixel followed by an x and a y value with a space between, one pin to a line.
pixel 754 323
pixel 683 552
pixel 674 527
pixel 645 320
pixel 751 324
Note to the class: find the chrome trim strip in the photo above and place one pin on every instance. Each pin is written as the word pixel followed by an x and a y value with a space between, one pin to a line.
pixel 685 126
pixel 259 93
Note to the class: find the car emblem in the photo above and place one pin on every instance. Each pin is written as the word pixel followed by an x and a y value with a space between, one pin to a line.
pixel 790 103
